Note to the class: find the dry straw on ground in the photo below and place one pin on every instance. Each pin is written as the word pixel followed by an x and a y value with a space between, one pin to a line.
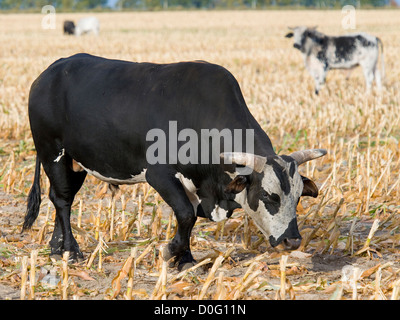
pixel 351 231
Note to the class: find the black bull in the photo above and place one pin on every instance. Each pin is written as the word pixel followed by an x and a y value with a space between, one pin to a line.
pixel 89 114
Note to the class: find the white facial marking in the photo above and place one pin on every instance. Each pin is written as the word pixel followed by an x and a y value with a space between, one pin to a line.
pixel 219 214
pixel 274 224
pixel 278 223
pixel 141 177
pixel 190 190
pixel 297 34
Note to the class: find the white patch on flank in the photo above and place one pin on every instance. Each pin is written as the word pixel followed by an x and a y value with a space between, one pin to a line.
pixel 219 214
pixel 60 155
pixel 141 177
pixel 190 190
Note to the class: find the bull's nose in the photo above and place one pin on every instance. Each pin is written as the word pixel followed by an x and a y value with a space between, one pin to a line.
pixel 297 46
pixel 291 244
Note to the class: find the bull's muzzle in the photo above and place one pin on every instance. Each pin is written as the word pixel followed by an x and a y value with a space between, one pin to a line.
pixel 291 244
pixel 288 244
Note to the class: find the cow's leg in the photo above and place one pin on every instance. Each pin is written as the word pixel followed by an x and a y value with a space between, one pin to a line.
pixel 319 78
pixel 377 76
pixel 163 180
pixel 64 184
pixel 368 75
pixel 317 87
pixel 348 73
pixel 318 83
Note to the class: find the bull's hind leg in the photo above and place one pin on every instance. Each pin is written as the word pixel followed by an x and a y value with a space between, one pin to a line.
pixel 163 180
pixel 64 184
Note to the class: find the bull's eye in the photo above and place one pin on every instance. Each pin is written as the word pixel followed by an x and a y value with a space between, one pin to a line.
pixel 272 202
pixel 270 197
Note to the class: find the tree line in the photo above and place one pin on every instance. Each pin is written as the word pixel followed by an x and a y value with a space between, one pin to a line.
pixel 81 5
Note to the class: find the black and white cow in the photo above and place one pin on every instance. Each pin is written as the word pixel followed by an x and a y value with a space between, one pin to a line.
pixel 322 53
pixel 93 115
pixel 87 25
pixel 69 27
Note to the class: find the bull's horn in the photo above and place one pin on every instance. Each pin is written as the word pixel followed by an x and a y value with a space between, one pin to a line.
pixel 307 155
pixel 253 161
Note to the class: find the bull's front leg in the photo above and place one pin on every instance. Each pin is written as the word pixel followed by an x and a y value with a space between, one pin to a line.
pixel 162 179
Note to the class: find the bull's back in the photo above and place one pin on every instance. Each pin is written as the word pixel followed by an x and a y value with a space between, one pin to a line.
pixel 90 84
pixel 101 110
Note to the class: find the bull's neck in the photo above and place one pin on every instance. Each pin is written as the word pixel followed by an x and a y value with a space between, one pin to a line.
pixel 262 143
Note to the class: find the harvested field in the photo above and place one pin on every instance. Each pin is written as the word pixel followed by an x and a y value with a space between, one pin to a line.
pixel 351 231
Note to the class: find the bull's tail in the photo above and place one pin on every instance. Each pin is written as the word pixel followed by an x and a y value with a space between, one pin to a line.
pixel 34 199
pixel 382 59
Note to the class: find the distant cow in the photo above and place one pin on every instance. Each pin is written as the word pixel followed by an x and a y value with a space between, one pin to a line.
pixel 69 27
pixel 322 53
pixel 87 25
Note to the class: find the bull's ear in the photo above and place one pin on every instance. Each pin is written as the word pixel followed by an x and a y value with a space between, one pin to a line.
pixel 237 185
pixel 310 188
pixel 289 35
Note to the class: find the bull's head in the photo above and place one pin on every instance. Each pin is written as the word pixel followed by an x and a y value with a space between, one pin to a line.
pixel 270 194
pixel 300 35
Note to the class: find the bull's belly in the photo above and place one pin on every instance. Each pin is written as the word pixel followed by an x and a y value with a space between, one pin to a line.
pixel 141 177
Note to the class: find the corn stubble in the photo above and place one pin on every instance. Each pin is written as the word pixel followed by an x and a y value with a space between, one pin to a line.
pixel 356 216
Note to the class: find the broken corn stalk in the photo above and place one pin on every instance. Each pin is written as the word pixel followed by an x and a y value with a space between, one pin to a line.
pixel 282 264
pixel 32 277
pixel 366 247
pixel 210 277
pixel 24 276
pixel 131 274
pixel 64 283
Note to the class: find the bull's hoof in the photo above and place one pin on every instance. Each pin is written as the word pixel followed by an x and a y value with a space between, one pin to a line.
pixel 186 265
pixel 165 252
pixel 55 256
pixel 167 255
pixel 74 257
pixel 185 262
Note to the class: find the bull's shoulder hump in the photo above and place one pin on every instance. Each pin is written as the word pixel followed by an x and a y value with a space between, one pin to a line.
pixel 73 57
pixel 87 59
pixel 197 71
pixel 199 65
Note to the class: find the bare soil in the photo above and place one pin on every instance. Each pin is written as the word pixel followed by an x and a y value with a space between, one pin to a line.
pixel 358 179
pixel 313 275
